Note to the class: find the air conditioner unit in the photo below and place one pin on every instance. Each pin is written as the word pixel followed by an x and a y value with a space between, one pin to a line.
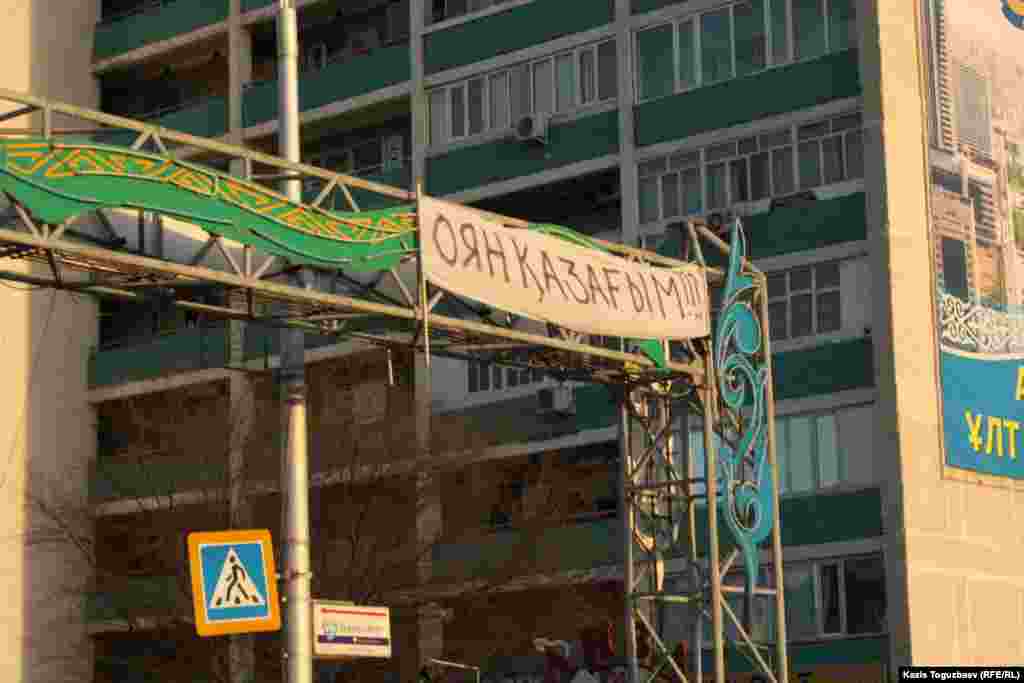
pixel 556 401
pixel 532 128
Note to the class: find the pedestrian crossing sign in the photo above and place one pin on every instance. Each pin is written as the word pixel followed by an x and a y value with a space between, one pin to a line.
pixel 234 587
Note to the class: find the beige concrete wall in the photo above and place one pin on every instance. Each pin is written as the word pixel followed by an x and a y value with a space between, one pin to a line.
pixel 46 428
pixel 953 549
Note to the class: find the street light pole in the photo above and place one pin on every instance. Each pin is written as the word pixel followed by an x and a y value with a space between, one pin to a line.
pixel 294 462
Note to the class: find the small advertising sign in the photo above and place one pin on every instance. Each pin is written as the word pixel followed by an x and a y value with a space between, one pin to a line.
pixel 342 630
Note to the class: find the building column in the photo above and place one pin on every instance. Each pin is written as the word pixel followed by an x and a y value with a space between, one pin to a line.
pixel 630 233
pixel 241 649
pixel 239 71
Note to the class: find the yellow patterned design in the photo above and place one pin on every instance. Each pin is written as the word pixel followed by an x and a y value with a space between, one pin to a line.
pixel 194 181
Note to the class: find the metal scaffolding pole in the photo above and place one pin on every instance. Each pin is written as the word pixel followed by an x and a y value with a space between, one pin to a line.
pixel 295 465
pixel 626 513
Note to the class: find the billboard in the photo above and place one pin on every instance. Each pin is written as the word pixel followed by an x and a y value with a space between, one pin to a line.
pixel 342 630
pixel 975 68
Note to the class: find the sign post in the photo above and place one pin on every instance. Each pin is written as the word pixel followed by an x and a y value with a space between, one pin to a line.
pixel 234 587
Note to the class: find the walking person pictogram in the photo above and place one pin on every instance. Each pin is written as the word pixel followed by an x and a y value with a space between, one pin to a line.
pixel 234 587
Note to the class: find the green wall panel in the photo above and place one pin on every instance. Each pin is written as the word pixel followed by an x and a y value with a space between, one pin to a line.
pixel 769 93
pixel 207 119
pixel 114 478
pixel 185 350
pixel 338 81
pixel 806 520
pixel 820 224
pixel 515 29
pixel 249 5
pixel 641 6
pixel 823 369
pixel 809 656
pixel 166 20
pixel 136 596
pixel 586 138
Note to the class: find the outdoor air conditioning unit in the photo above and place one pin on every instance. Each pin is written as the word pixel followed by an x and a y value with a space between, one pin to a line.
pixel 556 401
pixel 532 128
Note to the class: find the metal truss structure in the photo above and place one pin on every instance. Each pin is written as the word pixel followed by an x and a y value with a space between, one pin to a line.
pixel 724 380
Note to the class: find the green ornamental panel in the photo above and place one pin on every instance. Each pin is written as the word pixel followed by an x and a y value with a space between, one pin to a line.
pixel 158 21
pixel 589 137
pixel 768 93
pixel 519 27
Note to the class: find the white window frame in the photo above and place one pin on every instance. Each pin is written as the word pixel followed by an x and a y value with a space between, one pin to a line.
pixel 504 371
pixel 732 205
pixel 814 291
pixel 576 103
pixel 695 18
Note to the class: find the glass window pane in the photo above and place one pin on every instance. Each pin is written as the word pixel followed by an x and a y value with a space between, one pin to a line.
pixel 716 186
pixel 716 46
pixel 454 8
pixel 750 38
pixel 813 130
pixel 801 607
pixel 829 319
pixel 854 155
pixel 799 279
pixel 782 171
pixel 648 191
pixel 776 285
pixel 536 374
pixel 687 56
pixel 748 145
pixel 846 122
pixel 685 160
pixel 438 112
pixel 760 176
pixel 808 28
pixel 458 112
pixel 588 76
pixel 781 449
pixel 826 275
pixel 810 164
pixel 775 138
pixel 565 83
pixel 831 617
pixel 864 579
pixel 832 148
pixel 472 371
pixel 485 377
pixel 780 52
pixel 653 167
pixel 499 101
pixel 777 319
pixel 520 92
pixel 654 62
pixel 828 451
pixel 692 202
pixel 842 25
pixel 739 190
pixel 800 455
pixel 723 151
pixel 670 195
pixel 801 318
pixel 498 374
pixel 513 377
pixel 476 106
pixel 543 102
pixel 607 71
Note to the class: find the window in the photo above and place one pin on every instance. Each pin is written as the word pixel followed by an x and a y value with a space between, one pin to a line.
pixel 751 169
pixel 809 453
pixel 835 597
pixel 804 301
pixel 441 10
pixel 490 376
pixel 732 42
pixel 557 84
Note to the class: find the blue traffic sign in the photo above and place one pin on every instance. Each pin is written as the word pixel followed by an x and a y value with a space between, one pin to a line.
pixel 233 582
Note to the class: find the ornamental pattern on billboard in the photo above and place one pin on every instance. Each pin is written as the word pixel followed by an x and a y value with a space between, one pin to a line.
pixel 975 51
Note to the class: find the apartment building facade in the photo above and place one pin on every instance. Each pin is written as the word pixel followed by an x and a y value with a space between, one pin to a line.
pixel 809 119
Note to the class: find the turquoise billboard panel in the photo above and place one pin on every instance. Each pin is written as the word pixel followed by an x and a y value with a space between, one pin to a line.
pixel 983 410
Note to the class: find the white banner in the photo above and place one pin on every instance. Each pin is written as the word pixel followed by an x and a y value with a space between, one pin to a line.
pixel 347 631
pixel 549 279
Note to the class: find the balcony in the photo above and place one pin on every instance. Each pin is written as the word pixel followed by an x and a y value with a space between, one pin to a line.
pixel 336 81
pixel 152 22
pixel 250 5
pixel 769 93
pixel 133 598
pixel 183 350
pixel 127 478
